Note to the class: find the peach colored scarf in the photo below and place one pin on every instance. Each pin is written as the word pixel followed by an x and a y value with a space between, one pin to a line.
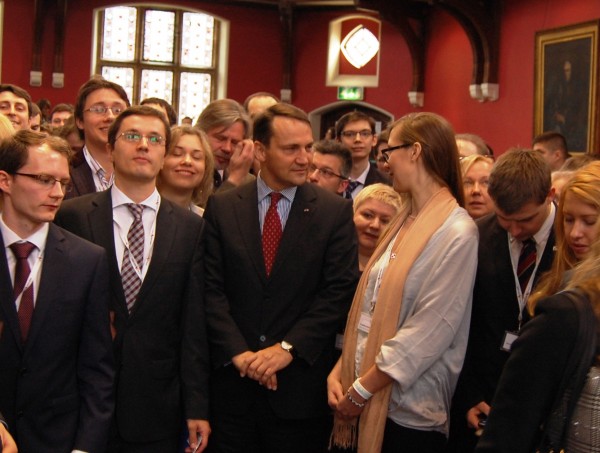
pixel 384 324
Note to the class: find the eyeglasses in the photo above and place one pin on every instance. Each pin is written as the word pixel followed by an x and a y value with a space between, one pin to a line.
pixel 365 133
pixel 48 181
pixel 386 152
pixel 101 110
pixel 136 137
pixel 325 172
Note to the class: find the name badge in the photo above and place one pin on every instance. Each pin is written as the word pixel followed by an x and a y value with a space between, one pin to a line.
pixel 508 340
pixel 364 324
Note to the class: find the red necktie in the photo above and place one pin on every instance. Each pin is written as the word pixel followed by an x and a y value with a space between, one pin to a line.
pixel 22 250
pixel 272 232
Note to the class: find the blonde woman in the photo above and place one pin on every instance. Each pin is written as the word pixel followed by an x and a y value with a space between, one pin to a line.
pixel 575 226
pixel 476 171
pixel 536 370
pixel 187 175
pixel 374 208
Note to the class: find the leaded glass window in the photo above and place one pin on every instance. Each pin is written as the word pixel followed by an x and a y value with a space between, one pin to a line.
pixel 161 52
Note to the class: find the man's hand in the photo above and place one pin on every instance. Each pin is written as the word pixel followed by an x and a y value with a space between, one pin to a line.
pixel 473 415
pixel 6 440
pixel 241 361
pixel 269 361
pixel 195 428
pixel 240 162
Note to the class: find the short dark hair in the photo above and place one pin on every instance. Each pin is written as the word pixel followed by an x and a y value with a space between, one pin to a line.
pixel 96 83
pixel 518 177
pixel 333 148
pixel 14 150
pixel 554 141
pixel 171 114
pixel 263 125
pixel 351 117
pixel 138 110
pixel 481 146
pixel 62 108
pixel 20 93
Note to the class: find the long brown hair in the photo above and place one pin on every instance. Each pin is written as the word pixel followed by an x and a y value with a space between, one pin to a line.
pixel 440 154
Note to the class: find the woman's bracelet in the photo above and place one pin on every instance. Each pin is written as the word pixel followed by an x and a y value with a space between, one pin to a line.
pixel 363 392
pixel 353 401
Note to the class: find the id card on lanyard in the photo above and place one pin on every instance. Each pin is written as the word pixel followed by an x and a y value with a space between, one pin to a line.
pixel 511 336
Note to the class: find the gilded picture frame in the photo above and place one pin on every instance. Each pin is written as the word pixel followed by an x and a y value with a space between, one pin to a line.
pixel 566 79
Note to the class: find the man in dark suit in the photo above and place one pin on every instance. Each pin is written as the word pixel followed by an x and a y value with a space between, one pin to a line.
pixel 281 268
pixel 227 128
pixel 356 131
pixel 56 359
pixel 521 190
pixel 99 101
pixel 156 270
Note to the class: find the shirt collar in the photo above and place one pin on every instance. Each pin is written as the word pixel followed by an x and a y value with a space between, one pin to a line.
pixel 264 190
pixel 120 199
pixel 38 238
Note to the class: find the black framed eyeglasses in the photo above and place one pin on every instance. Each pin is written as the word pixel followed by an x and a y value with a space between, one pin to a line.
pixel 325 172
pixel 48 181
pixel 386 152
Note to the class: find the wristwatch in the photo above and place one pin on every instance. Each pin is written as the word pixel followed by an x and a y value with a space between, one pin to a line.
pixel 289 348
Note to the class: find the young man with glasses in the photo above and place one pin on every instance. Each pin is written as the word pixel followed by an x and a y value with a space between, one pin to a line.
pixel 98 104
pixel 157 309
pixel 57 374
pixel 330 166
pixel 356 130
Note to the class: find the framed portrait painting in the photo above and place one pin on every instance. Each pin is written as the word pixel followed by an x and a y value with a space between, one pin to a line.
pixel 566 79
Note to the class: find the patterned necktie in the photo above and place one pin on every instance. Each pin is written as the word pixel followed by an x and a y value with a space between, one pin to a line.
pixel 272 232
pixel 351 186
pixel 133 257
pixel 22 251
pixel 526 263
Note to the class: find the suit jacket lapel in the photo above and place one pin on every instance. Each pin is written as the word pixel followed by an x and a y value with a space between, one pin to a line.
pixel 303 209
pixel 166 231
pixel 7 303
pixel 100 220
pixel 53 269
pixel 246 212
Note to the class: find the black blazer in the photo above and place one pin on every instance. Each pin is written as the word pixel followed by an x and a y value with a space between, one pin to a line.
pixel 531 378
pixel 374 176
pixel 303 300
pixel 495 311
pixel 161 349
pixel 81 177
pixel 56 390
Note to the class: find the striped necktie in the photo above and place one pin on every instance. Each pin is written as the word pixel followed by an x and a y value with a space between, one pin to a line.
pixel 526 264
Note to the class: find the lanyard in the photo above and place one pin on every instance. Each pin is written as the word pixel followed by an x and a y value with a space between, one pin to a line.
pixel 522 296
pixel 140 271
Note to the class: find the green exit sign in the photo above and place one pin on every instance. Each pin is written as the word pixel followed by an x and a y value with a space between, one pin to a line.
pixel 351 93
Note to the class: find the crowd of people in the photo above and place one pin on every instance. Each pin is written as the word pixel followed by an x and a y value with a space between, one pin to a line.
pixel 237 286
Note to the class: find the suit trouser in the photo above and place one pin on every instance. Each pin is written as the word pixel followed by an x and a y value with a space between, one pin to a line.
pixel 261 431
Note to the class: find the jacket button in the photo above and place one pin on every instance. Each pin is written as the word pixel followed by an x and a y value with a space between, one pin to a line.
pixel 262 338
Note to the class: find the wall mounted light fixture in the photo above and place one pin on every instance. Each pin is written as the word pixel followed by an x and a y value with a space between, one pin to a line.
pixel 360 46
